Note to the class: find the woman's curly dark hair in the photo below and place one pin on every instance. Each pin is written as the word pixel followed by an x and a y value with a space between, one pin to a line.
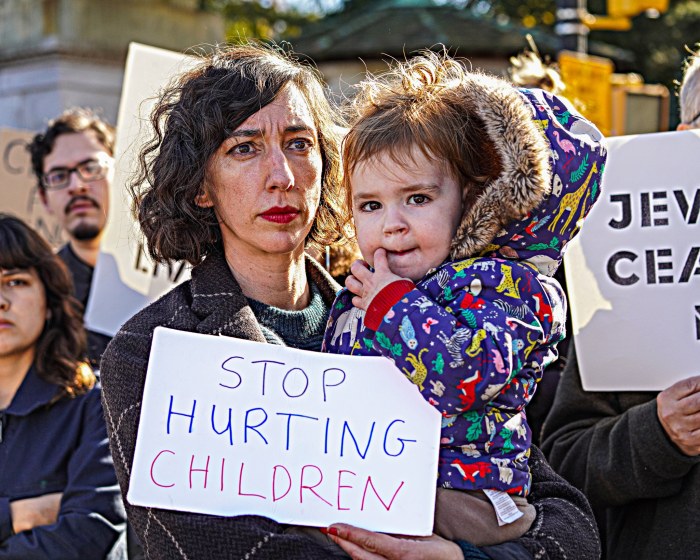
pixel 61 348
pixel 191 119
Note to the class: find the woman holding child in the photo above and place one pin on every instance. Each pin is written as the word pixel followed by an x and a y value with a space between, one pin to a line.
pixel 242 176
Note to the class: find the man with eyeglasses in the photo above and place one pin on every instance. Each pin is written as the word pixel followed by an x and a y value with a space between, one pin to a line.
pixel 73 162
pixel 636 455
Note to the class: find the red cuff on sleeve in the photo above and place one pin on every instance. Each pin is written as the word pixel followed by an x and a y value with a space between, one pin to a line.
pixel 387 297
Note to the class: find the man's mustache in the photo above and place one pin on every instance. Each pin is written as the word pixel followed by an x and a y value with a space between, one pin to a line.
pixel 80 198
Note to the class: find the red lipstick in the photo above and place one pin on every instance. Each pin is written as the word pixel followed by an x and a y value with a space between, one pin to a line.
pixel 280 214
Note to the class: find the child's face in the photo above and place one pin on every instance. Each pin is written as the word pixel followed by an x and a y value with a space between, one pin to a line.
pixel 411 210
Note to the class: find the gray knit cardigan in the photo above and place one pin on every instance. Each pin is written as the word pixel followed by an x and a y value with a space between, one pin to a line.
pixel 212 303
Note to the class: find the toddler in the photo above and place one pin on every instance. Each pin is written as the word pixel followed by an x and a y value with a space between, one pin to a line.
pixel 464 191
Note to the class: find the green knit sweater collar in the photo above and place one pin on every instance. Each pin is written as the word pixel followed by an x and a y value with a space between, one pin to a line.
pixel 299 329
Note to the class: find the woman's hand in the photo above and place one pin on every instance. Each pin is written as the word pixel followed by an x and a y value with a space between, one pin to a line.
pixel 366 284
pixel 368 545
pixel 33 512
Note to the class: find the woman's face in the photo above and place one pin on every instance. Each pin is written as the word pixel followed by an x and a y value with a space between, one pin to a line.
pixel 264 181
pixel 22 311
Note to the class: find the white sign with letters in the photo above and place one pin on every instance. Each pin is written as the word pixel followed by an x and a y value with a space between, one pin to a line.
pixel 633 275
pixel 125 279
pixel 233 427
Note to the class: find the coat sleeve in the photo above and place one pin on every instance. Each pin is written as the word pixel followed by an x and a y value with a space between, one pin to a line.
pixel 91 519
pixel 616 455
pixel 473 346
pixel 564 526
pixel 166 534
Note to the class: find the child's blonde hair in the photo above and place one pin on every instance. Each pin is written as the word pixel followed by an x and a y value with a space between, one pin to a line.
pixel 420 103
pixel 527 69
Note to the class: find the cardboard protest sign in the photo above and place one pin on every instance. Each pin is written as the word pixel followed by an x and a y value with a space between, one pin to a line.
pixel 233 427
pixel 633 275
pixel 19 194
pixel 125 279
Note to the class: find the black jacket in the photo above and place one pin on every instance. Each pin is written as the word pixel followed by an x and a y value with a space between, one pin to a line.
pixel 59 447
pixel 644 491
pixel 81 273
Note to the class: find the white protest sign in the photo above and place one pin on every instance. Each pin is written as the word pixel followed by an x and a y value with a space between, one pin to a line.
pixel 125 279
pixel 232 427
pixel 19 193
pixel 633 275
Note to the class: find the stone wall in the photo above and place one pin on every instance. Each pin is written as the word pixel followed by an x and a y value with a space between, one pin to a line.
pixel 56 54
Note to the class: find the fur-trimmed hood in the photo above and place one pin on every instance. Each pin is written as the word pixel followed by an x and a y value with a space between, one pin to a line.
pixel 550 161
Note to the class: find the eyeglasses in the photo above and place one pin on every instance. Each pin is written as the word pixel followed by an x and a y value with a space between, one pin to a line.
pixel 88 171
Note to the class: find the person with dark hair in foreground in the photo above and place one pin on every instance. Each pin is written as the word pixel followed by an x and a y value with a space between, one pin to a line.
pixel 58 493
pixel 241 176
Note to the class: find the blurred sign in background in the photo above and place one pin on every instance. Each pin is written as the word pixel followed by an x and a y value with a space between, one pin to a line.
pixel 19 193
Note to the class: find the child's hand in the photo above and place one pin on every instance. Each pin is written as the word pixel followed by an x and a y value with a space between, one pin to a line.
pixel 366 284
